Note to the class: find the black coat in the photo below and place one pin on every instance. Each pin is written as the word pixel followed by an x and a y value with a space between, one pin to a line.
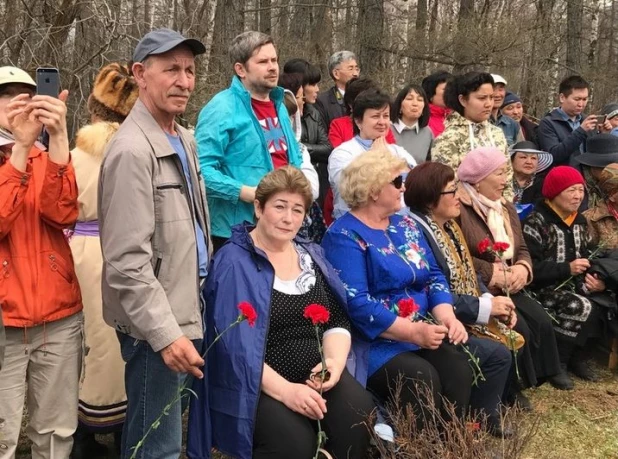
pixel 314 135
pixel 534 192
pixel 556 137
pixel 330 105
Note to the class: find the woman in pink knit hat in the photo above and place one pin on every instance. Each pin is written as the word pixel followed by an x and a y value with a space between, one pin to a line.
pixel 486 214
pixel 557 235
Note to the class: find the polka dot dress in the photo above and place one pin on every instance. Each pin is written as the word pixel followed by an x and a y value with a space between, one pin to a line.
pixel 291 346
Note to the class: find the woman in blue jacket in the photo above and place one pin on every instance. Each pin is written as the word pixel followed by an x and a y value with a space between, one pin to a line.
pixel 384 258
pixel 263 400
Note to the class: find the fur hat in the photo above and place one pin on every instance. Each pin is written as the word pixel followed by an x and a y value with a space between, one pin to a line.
pixel 113 94
pixel 608 181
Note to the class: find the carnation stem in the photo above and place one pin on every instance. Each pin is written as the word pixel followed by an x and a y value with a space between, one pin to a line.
pixel 321 434
pixel 473 360
pixel 511 340
pixel 592 255
pixel 180 393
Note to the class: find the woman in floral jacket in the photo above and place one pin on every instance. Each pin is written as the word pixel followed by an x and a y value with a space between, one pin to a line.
pixel 384 262
pixel 470 96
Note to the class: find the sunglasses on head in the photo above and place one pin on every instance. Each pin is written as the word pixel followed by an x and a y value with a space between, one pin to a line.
pixel 397 182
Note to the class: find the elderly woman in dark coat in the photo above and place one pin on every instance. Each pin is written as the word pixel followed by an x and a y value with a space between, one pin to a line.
pixel 557 235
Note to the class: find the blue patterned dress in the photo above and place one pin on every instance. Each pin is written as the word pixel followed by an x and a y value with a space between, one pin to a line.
pixel 379 268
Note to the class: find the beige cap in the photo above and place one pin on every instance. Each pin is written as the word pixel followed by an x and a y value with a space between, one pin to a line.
pixel 14 75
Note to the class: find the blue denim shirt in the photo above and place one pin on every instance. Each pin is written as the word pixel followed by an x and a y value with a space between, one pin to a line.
pixel 574 123
pixel 509 127
pixel 200 237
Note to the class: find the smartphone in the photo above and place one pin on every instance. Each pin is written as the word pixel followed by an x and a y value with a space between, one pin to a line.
pixel 601 119
pixel 47 81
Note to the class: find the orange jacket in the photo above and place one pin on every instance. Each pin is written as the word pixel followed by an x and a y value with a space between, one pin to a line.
pixel 37 279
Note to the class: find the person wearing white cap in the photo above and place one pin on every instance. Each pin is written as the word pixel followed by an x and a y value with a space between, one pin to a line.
pixel 509 127
pixel 499 92
pixel 528 164
pixel 39 292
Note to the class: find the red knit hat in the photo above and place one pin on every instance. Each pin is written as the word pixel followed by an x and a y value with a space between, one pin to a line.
pixel 559 179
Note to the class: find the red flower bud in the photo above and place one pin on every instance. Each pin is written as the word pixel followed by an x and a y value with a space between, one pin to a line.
pixel 407 307
pixel 317 313
pixel 247 312
pixel 484 246
pixel 501 247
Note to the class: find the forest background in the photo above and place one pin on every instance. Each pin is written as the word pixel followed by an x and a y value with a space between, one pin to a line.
pixel 532 43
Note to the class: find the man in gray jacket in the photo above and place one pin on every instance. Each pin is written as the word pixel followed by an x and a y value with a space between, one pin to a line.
pixel 155 240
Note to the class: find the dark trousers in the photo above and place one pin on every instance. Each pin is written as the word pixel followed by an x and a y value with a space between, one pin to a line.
pixel 572 348
pixel 495 362
pixel 281 433
pixel 538 358
pixel 443 372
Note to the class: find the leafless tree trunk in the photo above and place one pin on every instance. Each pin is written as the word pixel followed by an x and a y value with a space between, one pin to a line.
pixel 371 35
pixel 462 51
pixel 265 17
pixel 574 47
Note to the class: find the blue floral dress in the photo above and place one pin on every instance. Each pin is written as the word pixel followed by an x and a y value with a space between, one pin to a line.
pixel 378 269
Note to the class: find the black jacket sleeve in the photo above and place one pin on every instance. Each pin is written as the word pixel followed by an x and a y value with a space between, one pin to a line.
pixel 466 308
pixel 314 135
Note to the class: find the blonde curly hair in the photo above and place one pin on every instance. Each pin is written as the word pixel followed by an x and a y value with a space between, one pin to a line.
pixel 367 174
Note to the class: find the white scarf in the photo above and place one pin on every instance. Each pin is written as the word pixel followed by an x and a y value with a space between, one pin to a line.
pixel 494 217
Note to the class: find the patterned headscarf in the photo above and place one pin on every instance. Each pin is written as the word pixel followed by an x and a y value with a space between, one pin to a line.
pixel 608 181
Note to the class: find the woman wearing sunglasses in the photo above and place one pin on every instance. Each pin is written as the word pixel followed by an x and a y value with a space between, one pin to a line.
pixel 382 259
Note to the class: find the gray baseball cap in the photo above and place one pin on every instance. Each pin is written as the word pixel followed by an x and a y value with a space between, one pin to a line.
pixel 160 41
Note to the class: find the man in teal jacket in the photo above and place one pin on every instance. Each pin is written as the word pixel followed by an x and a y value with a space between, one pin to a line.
pixel 243 133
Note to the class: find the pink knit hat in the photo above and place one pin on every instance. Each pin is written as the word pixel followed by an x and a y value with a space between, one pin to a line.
pixel 479 163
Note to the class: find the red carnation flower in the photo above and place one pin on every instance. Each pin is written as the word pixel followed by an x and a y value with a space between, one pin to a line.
pixel 484 245
pixel 317 313
pixel 501 247
pixel 247 312
pixel 407 307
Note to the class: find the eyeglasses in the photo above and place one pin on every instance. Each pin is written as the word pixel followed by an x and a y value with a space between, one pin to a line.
pixel 397 182
pixel 453 192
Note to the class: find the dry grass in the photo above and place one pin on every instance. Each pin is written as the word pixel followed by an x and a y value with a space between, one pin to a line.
pixel 579 423
pixel 453 439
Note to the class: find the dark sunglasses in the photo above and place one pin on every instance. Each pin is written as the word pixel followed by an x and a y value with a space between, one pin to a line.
pixel 397 182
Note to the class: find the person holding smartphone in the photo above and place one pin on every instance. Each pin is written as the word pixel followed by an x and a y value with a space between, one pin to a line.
pixel 564 130
pixel 39 292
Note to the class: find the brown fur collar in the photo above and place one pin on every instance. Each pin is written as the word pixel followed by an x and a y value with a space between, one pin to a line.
pixel 93 138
